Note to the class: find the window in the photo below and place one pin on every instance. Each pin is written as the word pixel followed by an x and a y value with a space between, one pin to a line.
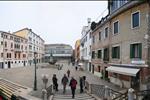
pixel 90 34
pixel 136 50
pixel 5 44
pixel 2 35
pixel 30 47
pixel 1 42
pixel 8 55
pixel 93 39
pixel 22 47
pixel 99 35
pixel 1 54
pixel 93 54
pixel 11 45
pixel 106 32
pixel 99 54
pixel 99 68
pixel 24 55
pixel 106 54
pixel 116 52
pixel 135 20
pixel 19 55
pixel 11 37
pixel 116 27
pixel 26 48
pixel 122 2
pixel 15 56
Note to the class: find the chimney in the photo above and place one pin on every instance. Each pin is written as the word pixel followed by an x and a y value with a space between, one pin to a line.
pixel 89 20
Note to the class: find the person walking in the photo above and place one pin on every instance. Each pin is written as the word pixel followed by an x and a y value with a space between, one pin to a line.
pixel 68 73
pixel 54 79
pixel 64 82
pixel 73 84
pixel 76 67
pixel 81 84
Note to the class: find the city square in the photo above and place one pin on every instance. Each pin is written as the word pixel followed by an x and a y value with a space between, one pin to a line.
pixel 82 50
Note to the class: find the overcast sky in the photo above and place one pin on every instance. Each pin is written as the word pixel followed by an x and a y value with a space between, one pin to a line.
pixel 54 21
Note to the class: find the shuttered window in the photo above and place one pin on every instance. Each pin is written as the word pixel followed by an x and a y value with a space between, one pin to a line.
pixel 136 50
pixel 93 54
pixel 135 20
pixel 116 52
pixel 100 54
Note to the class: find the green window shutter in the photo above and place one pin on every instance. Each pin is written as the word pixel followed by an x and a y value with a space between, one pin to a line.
pixel 101 54
pixel 140 50
pixel 119 52
pixel 131 50
pixel 112 54
pixel 98 54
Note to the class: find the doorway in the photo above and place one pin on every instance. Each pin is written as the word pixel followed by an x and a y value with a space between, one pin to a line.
pixel 9 64
pixel 24 63
pixel 93 69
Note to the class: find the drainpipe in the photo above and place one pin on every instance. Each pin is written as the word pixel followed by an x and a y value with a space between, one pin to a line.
pixel 148 32
pixel 3 52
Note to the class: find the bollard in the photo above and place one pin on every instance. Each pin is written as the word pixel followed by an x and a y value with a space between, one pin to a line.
pixel 45 79
pixel 44 94
pixel 107 93
pixel 130 94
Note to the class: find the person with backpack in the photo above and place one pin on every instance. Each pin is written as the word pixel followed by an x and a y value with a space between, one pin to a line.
pixel 73 84
pixel 64 81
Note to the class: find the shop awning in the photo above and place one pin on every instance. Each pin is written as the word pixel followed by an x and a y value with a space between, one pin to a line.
pixel 123 70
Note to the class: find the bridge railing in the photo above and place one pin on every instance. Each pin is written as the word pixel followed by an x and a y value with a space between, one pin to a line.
pixel 102 91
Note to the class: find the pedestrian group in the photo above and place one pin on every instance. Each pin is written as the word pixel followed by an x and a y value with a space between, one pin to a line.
pixel 73 83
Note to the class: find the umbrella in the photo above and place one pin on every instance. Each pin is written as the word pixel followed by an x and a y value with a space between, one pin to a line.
pixel 80 64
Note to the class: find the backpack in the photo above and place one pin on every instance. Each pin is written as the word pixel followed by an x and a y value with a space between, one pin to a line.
pixel 74 83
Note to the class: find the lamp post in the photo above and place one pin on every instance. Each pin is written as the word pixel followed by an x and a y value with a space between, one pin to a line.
pixel 35 78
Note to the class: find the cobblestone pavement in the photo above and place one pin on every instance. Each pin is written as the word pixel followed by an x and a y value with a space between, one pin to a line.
pixel 25 76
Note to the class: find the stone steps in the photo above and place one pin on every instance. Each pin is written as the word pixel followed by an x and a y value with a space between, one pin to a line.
pixel 9 88
pixel 82 96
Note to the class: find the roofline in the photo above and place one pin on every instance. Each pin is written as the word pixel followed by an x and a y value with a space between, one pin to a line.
pixel 59 44
pixel 13 35
pixel 117 12
pixel 31 31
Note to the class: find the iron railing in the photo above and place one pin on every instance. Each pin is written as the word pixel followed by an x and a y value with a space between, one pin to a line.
pixel 102 92
pixel 49 91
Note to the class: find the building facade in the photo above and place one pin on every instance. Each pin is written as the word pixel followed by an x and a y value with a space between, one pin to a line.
pixel 35 44
pixel 13 50
pixel 85 47
pixel 120 44
pixel 77 51
pixel 58 51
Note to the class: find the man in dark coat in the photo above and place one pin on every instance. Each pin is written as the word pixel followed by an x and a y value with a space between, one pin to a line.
pixel 73 84
pixel 81 84
pixel 54 79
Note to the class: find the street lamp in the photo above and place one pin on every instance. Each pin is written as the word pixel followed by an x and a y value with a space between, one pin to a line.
pixel 35 79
